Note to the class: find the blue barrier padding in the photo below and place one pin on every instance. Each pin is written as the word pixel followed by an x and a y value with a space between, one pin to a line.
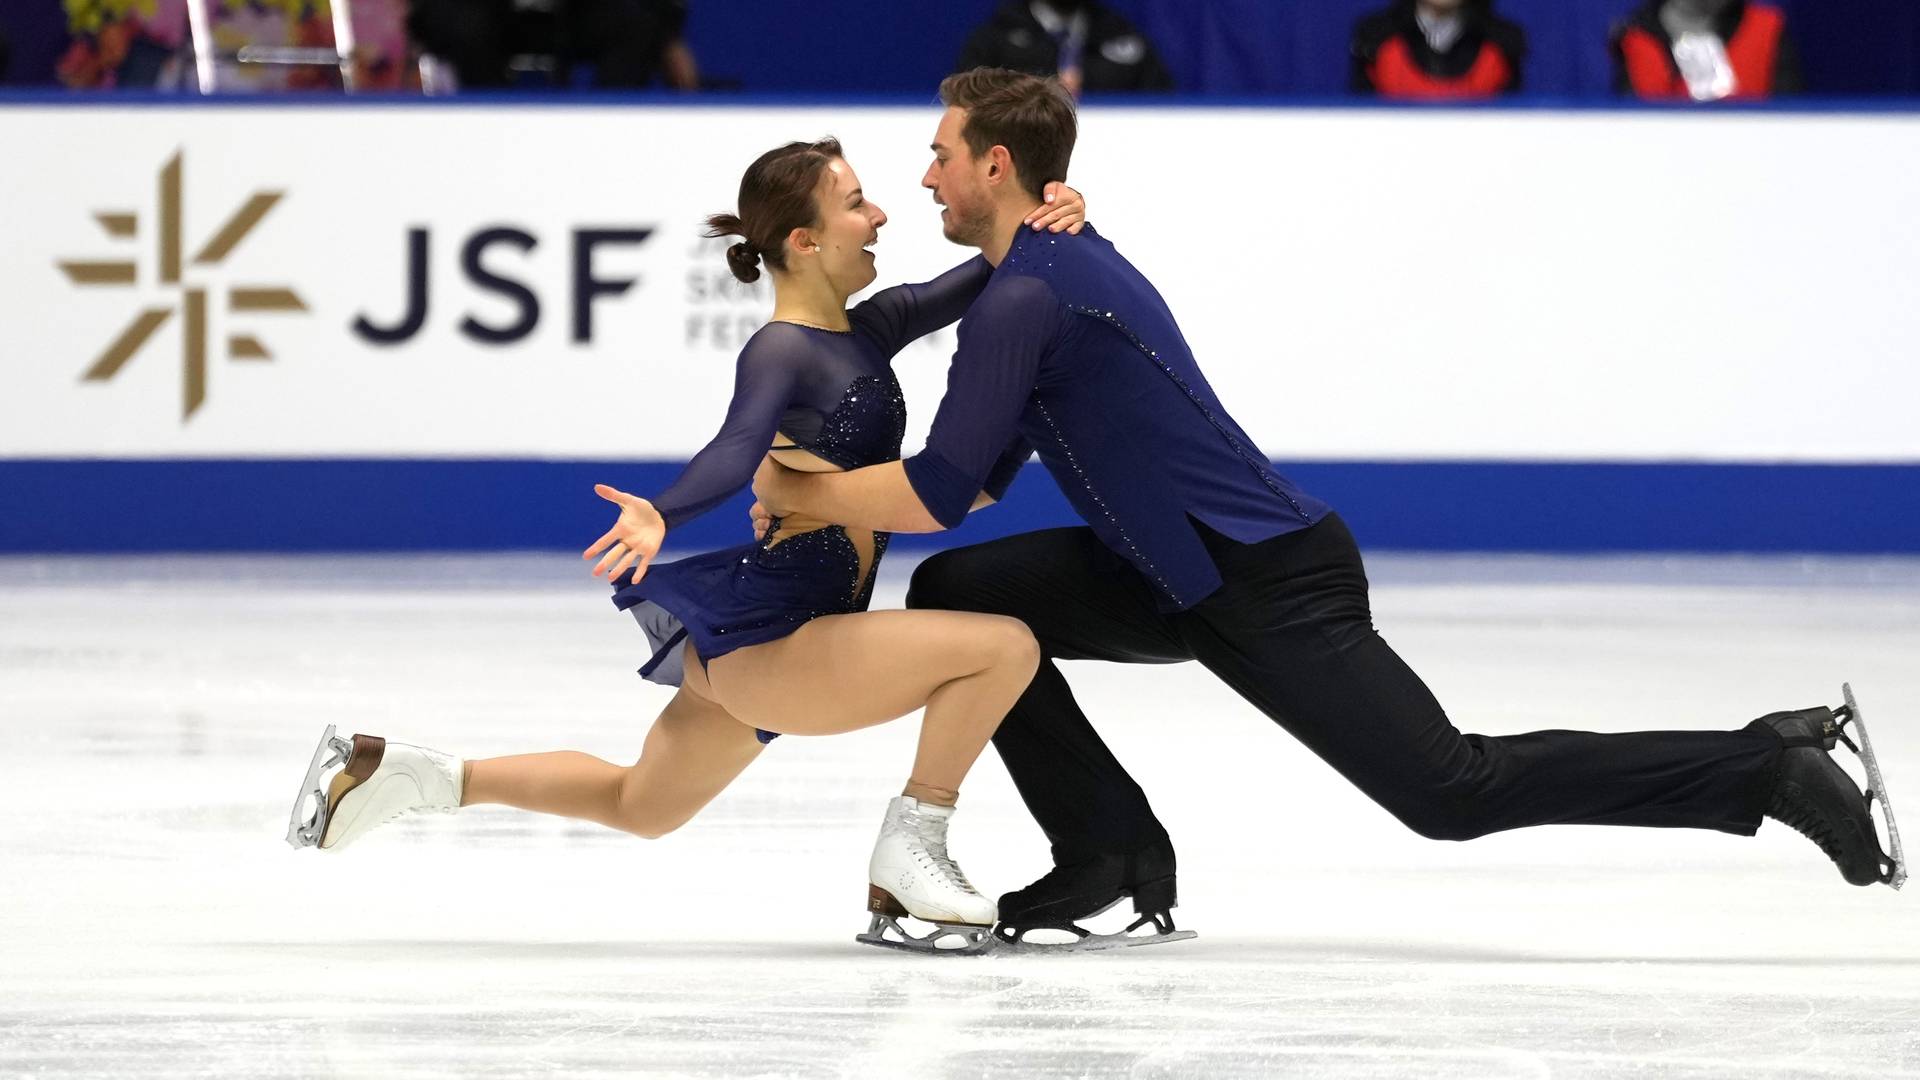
pixel 1607 506
pixel 475 505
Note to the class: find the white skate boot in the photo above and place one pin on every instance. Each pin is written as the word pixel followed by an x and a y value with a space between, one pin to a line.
pixel 376 782
pixel 911 874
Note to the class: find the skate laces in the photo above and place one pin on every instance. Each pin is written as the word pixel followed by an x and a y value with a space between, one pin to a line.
pixel 1792 807
pixel 931 832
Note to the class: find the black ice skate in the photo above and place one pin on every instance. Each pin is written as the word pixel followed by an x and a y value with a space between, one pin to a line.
pixel 1081 890
pixel 1816 797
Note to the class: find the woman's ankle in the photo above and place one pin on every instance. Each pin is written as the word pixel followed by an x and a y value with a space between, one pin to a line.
pixel 931 794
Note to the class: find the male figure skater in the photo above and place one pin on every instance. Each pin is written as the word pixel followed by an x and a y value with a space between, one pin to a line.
pixel 1196 549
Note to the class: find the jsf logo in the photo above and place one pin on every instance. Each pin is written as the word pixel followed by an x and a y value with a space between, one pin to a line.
pixel 167 234
pixel 587 285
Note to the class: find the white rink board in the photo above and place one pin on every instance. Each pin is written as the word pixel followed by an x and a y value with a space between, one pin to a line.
pixel 1363 285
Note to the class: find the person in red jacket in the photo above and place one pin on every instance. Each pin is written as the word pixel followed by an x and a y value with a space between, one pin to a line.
pixel 1705 50
pixel 1437 50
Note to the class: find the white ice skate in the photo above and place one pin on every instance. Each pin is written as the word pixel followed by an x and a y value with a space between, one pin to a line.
pixel 353 787
pixel 911 874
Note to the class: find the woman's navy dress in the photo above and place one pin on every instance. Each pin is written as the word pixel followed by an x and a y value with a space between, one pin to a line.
pixel 833 393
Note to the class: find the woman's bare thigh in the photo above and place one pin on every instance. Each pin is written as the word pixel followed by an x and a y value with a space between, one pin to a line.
pixel 692 752
pixel 845 672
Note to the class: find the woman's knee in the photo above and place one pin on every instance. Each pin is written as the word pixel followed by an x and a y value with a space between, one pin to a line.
pixel 996 643
pixel 650 823
pixel 647 829
pixel 1018 648
pixel 647 818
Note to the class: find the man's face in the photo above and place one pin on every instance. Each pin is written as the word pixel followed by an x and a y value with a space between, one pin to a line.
pixel 958 182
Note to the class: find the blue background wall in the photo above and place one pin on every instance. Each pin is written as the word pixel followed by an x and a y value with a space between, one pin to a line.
pixel 1215 47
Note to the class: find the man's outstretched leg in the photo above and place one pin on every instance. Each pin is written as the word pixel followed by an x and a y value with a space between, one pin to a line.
pixel 1292 632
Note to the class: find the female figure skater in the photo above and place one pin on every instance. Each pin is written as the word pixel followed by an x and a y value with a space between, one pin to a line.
pixel 771 637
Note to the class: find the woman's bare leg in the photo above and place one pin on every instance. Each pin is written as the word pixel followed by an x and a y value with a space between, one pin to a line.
pixel 692 753
pixel 845 672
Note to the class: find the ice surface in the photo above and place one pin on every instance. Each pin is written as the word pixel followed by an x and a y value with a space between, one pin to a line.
pixel 157 714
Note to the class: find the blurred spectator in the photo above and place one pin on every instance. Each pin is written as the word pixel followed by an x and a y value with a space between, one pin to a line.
pixel 1089 47
pixel 118 44
pixel 1705 50
pixel 629 42
pixel 383 54
pixel 6 54
pixel 146 43
pixel 1437 49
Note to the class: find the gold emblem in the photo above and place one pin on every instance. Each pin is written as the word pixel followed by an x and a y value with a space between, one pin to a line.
pixel 123 225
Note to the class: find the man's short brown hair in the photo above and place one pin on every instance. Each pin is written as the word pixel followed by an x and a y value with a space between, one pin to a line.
pixel 1032 117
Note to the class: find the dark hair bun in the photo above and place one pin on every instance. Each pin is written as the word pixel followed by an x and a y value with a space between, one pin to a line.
pixel 776 197
pixel 744 262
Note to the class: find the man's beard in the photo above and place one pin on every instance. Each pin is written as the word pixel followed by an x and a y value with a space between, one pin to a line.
pixel 968 230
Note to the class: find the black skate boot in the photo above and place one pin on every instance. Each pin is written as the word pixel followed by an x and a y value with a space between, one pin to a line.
pixel 1813 795
pixel 1088 887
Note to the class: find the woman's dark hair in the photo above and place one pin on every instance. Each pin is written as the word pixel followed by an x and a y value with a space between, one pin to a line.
pixel 776 197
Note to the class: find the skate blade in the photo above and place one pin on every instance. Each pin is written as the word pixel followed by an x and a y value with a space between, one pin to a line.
pixel 304 827
pixel 946 939
pixel 1018 944
pixel 1877 789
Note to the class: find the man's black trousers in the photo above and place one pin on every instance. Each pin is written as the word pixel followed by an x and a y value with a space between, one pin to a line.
pixel 1291 632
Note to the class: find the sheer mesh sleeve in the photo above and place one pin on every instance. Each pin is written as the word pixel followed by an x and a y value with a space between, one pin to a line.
pixel 763 384
pixel 893 317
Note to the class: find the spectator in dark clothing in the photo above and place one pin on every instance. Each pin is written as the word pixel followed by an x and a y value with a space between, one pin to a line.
pixel 629 42
pixel 1705 50
pixel 6 54
pixel 1437 50
pixel 1091 49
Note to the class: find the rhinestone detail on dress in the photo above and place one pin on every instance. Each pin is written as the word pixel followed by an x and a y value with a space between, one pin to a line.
pixel 867 426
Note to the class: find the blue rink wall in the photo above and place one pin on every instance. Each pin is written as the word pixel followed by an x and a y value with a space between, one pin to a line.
pixel 370 505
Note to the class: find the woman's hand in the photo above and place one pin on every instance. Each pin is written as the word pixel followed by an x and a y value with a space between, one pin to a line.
pixel 634 539
pixel 1063 209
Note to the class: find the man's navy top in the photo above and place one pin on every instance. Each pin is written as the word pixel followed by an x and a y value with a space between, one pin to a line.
pixel 1070 351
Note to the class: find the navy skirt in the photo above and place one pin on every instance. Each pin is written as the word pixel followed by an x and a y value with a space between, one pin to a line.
pixel 737 597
